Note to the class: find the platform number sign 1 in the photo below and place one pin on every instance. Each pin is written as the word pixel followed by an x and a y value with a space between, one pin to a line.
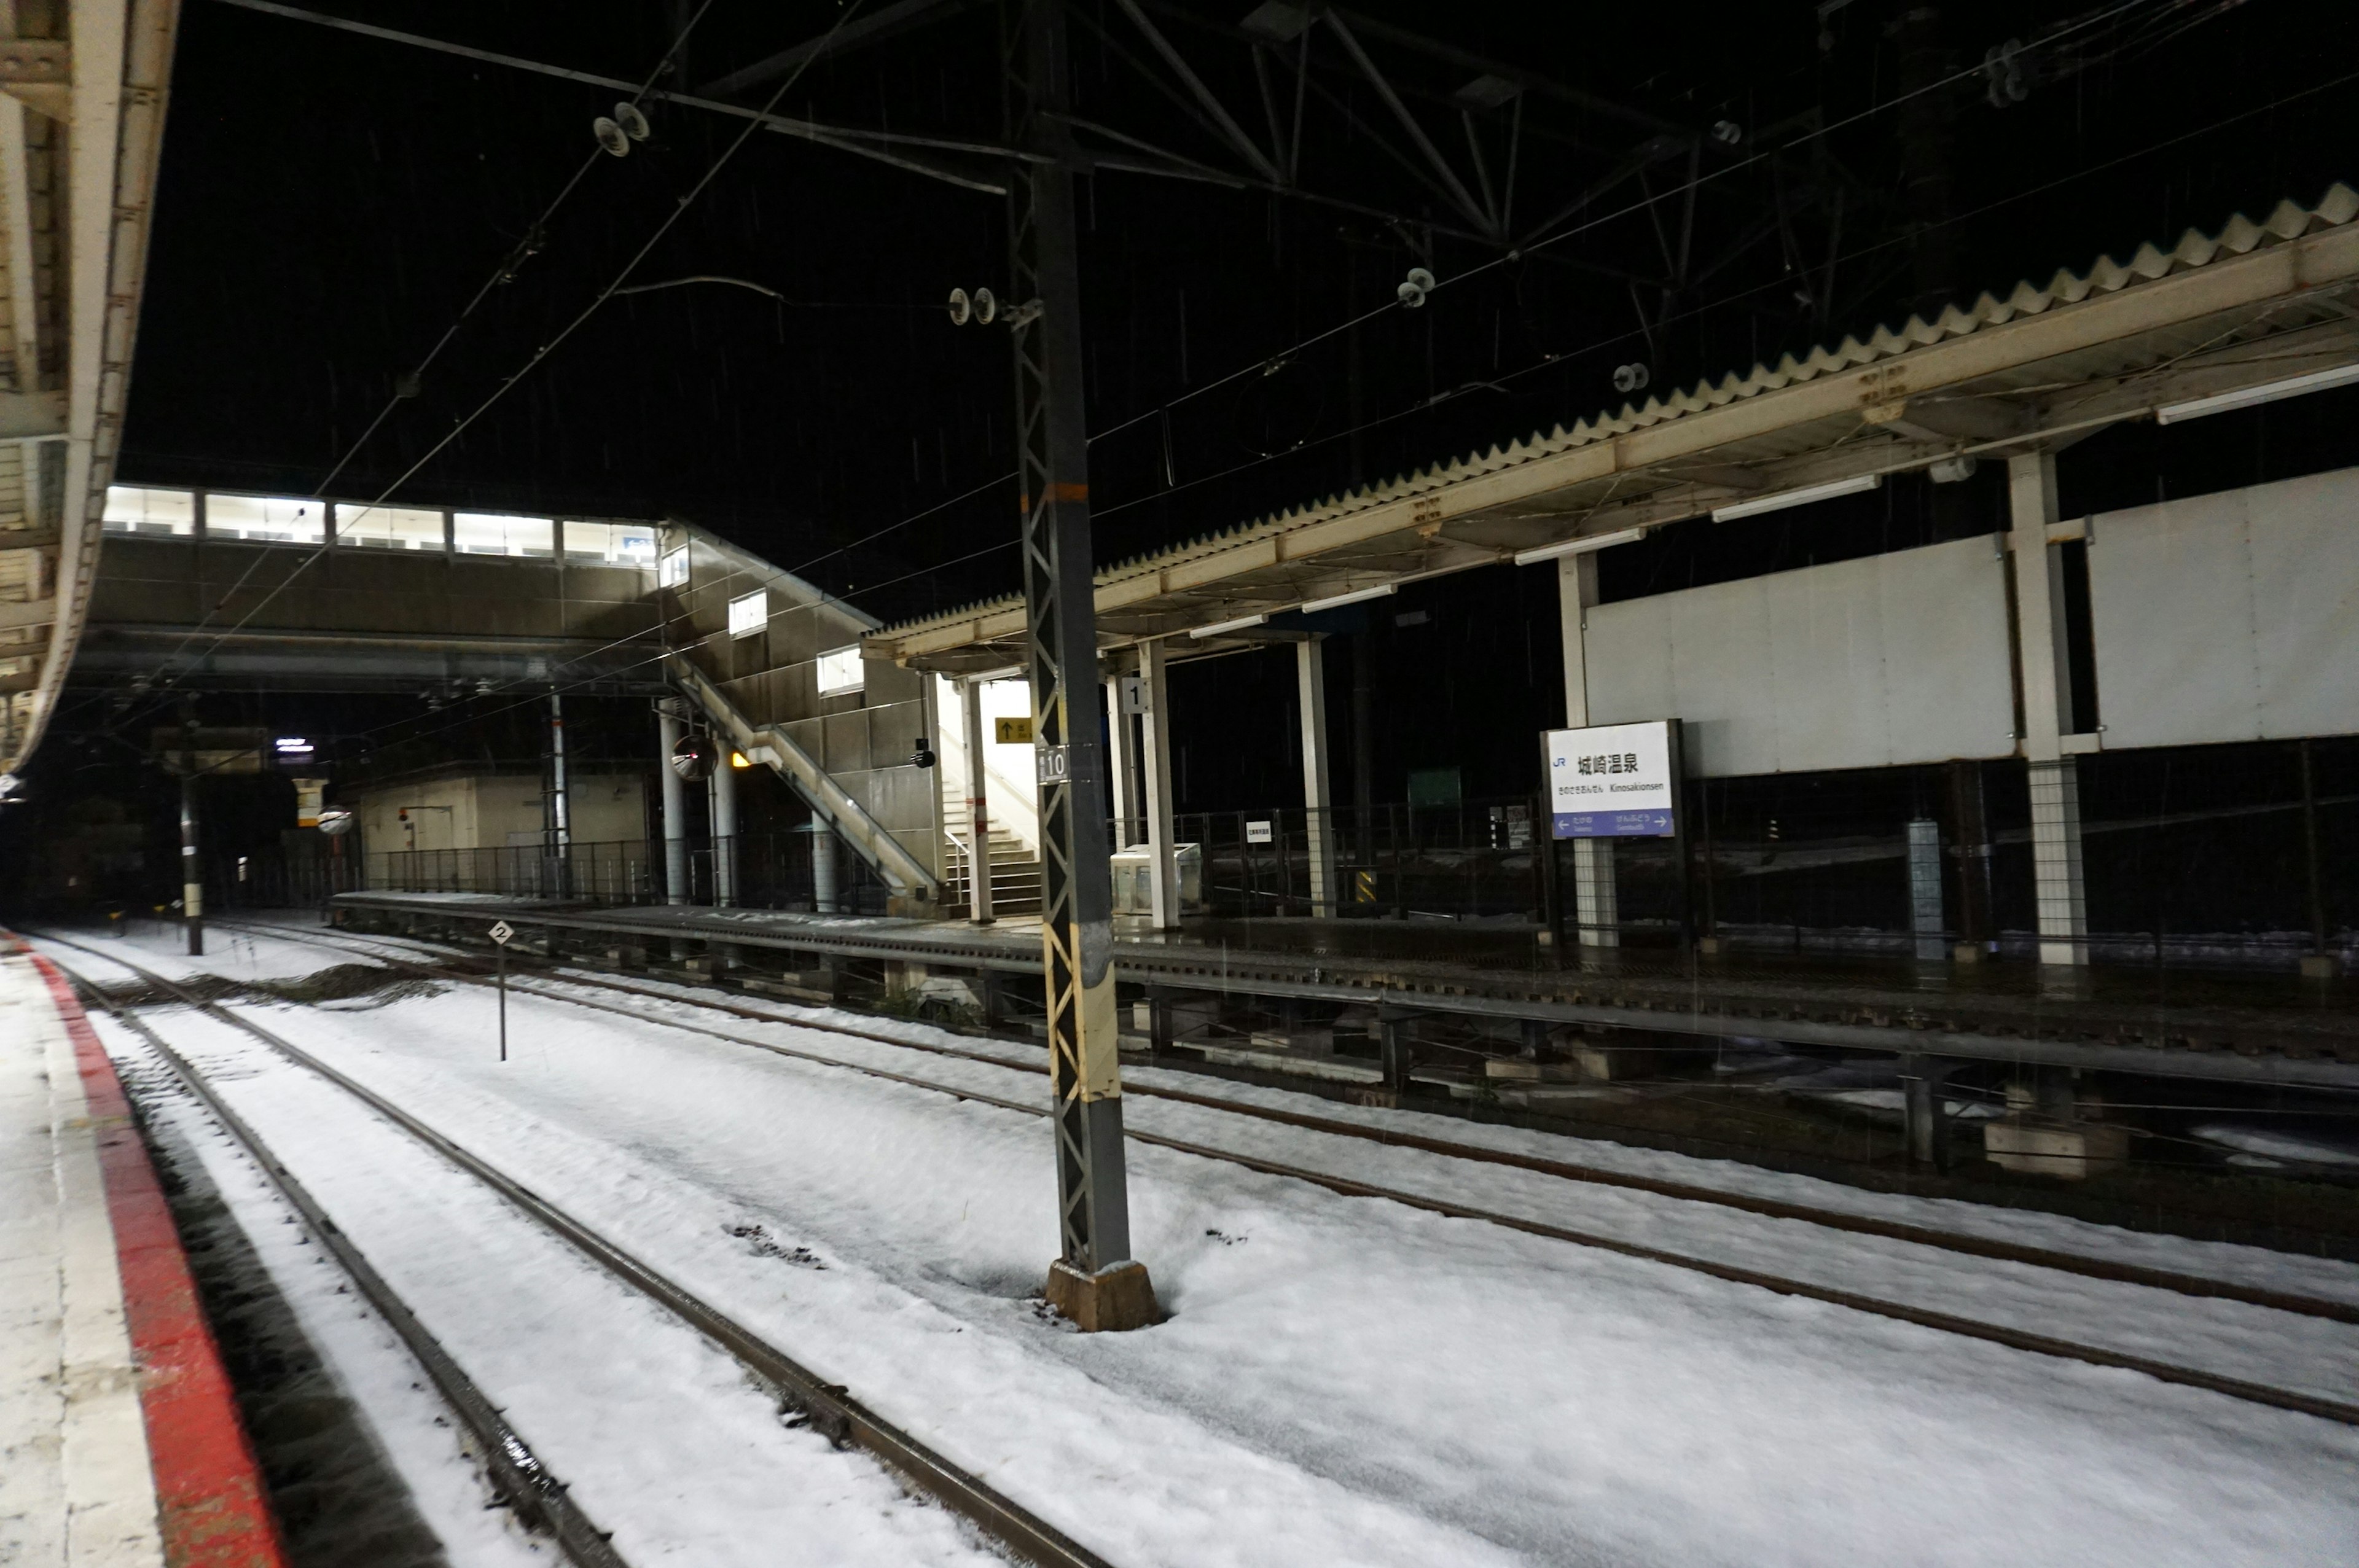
pixel 501 934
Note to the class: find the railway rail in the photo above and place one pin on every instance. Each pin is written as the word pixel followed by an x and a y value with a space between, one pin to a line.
pixel 2347 1413
pixel 1773 1208
pixel 518 1474
pixel 830 1407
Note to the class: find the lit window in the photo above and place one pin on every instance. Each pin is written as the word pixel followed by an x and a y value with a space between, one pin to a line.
pixel 840 671
pixel 133 510
pixel 672 572
pixel 389 528
pixel 610 544
pixel 496 534
pixel 749 613
pixel 272 519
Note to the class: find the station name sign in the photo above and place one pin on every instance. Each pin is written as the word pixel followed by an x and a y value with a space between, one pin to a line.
pixel 1614 781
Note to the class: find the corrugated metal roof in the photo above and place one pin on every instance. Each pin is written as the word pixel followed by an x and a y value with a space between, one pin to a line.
pixel 2239 236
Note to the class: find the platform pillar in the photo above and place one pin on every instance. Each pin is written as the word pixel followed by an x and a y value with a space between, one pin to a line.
pixel 1923 1112
pixel 978 805
pixel 1121 768
pixel 192 874
pixel 1154 748
pixel 1393 1051
pixel 724 830
pixel 1926 917
pixel 824 897
pixel 1596 901
pixel 1318 800
pixel 2058 893
pixel 669 729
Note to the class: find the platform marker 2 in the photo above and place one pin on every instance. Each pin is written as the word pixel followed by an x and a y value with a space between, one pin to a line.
pixel 501 932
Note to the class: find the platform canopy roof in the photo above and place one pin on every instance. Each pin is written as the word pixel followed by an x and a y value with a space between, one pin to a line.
pixel 2255 304
pixel 81 127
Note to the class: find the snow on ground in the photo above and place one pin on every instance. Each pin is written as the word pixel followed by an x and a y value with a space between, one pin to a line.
pixel 370 1365
pixel 2324 1277
pixel 236 953
pixel 1349 1380
pixel 669 1445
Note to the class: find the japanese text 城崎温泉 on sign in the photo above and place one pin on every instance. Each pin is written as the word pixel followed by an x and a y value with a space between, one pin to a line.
pixel 1613 780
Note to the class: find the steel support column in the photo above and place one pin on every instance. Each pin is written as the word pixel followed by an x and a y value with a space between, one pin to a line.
pixel 1318 802
pixel 1077 891
pixel 560 803
pixel 193 871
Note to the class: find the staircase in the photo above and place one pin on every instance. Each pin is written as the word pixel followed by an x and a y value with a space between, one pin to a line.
pixel 1015 869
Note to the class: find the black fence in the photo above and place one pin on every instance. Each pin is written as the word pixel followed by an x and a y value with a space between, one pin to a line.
pixel 2232 855
pixel 754 870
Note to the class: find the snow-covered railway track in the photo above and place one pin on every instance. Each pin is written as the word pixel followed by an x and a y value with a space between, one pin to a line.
pixel 831 1409
pixel 465 969
pixel 515 1472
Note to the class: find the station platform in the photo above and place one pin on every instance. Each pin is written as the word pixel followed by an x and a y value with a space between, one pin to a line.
pixel 120 1442
pixel 2219 1025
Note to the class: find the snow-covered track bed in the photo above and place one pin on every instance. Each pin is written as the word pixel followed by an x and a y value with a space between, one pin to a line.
pixel 516 1472
pixel 2254 1302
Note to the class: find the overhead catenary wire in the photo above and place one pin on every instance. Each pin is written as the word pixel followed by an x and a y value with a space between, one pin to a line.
pixel 1423 406
pixel 1260 363
pixel 406 386
pixel 680 208
pixel 1556 358
pixel 1550 361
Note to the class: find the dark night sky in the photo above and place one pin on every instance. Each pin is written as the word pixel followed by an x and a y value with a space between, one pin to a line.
pixel 329 201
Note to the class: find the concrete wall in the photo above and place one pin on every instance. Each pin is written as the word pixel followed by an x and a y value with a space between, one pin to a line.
pixel 175 581
pixel 1887 660
pixel 2229 617
pixel 1015 796
pixel 494 811
pixel 862 738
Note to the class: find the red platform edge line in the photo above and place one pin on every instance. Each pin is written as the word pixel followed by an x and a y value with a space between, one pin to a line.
pixel 210 1499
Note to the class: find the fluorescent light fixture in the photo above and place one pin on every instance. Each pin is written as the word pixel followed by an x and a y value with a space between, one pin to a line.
pixel 1803 497
pixel 671 569
pixel 1239 624
pixel 2268 391
pixel 292 746
pixel 1579 547
pixel 1383 591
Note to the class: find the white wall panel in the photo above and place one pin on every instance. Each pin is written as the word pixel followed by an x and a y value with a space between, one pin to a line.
pixel 1893 659
pixel 2229 617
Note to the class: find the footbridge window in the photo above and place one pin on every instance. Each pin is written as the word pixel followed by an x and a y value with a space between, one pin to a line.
pixel 272 519
pixel 133 509
pixel 610 544
pixel 495 534
pixel 389 528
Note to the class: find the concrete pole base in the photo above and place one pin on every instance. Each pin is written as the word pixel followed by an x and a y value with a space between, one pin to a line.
pixel 1116 1298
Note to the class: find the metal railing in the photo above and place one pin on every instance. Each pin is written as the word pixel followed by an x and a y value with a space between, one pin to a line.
pixel 771 870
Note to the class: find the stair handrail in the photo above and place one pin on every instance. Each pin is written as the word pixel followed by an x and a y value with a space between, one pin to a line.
pixel 870 839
